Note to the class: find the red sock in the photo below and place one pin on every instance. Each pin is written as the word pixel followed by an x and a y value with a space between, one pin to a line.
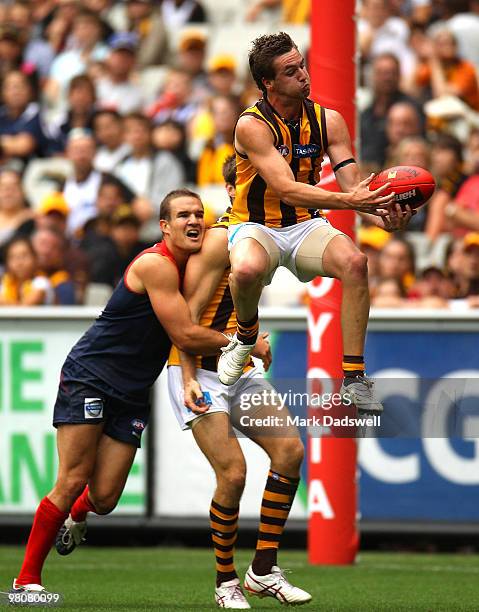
pixel 81 506
pixel 48 520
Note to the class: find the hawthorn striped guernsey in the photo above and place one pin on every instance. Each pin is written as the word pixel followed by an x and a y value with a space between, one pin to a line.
pixel 303 149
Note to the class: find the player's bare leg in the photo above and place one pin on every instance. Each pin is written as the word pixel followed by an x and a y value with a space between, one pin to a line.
pixel 283 445
pixel 105 486
pixel 344 261
pixel 77 445
pixel 251 263
pixel 215 438
pixel 249 266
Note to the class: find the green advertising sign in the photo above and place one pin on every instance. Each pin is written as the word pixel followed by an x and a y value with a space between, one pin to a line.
pixel 31 354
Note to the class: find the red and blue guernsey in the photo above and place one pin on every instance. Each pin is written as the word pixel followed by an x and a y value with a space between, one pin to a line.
pixel 127 347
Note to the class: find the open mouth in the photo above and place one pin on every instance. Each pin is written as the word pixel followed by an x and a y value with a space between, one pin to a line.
pixel 193 233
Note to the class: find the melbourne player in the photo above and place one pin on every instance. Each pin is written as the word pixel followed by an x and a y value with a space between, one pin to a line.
pixel 102 405
pixel 209 299
pixel 276 216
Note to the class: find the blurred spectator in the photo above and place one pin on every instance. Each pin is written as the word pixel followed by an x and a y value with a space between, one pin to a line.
pixel 190 58
pixel 380 32
pixel 465 27
pixel 11 49
pixel 462 215
pixel 386 92
pixel 117 90
pixel 51 249
pixel 86 49
pixel 222 75
pixel 102 9
pixel 177 13
pixel 433 283
pixel 402 121
pixel 144 18
pixel 414 151
pixel 447 168
pixel 396 262
pixel 293 11
pixel 16 218
pixel 466 275
pixel 78 114
pixel 414 11
pixel 472 153
pixel 21 134
pixel 443 72
pixel 37 52
pixel 388 293
pixel 175 101
pixel 171 136
pixel 110 253
pixel 149 175
pixel 225 112
pixel 111 196
pixel 22 285
pixel 52 213
pixel 81 189
pixel 371 240
pixel 108 130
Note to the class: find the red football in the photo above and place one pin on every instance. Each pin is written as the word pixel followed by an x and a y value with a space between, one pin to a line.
pixel 411 184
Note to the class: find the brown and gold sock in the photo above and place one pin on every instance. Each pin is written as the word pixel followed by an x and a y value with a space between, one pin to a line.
pixel 277 501
pixel 247 331
pixel 224 532
pixel 353 365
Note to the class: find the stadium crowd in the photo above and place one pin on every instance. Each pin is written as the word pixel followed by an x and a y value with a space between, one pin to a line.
pixel 107 106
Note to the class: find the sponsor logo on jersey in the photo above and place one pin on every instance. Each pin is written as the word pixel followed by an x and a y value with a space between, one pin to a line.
pixel 306 150
pixel 284 150
pixel 93 408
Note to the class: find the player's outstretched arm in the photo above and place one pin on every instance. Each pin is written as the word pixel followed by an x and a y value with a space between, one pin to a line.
pixel 159 278
pixel 254 138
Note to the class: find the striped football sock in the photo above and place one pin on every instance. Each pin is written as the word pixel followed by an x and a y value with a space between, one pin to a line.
pixel 353 365
pixel 247 331
pixel 224 532
pixel 277 501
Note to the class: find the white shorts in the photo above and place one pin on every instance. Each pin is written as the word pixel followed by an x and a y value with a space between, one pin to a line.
pixel 223 398
pixel 282 244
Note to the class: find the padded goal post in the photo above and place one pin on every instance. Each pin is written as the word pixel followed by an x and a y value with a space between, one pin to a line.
pixel 332 534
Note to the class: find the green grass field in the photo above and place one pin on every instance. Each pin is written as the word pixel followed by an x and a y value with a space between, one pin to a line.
pixel 110 579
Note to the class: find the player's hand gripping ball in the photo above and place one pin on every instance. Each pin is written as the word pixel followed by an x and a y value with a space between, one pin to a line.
pixel 411 184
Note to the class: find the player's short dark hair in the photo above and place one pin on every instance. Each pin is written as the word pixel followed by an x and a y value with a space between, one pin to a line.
pixel 165 206
pixel 229 170
pixel 264 50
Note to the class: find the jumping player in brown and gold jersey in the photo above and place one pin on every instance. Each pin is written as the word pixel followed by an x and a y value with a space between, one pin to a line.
pixel 276 216
pixel 208 296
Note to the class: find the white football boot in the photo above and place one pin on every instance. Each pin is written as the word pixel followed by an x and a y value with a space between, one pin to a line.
pixel 275 585
pixel 232 361
pixel 360 393
pixel 230 595
pixel 70 535
pixel 27 588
